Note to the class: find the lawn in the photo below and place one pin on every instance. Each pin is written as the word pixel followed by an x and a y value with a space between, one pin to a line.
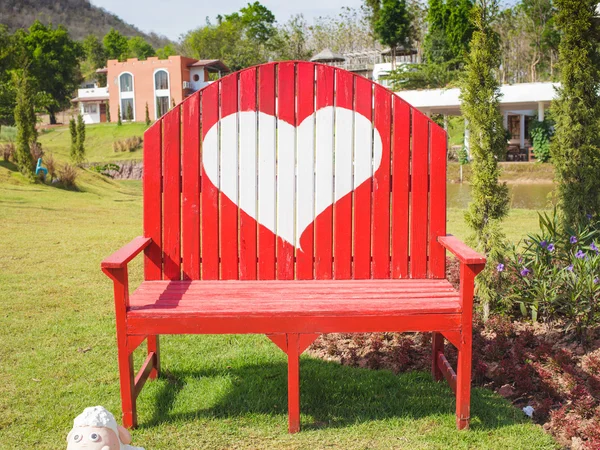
pixel 58 352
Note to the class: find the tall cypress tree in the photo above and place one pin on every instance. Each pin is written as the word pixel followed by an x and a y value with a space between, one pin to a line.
pixel 576 144
pixel 459 28
pixel 480 93
pixel 436 42
pixel 25 120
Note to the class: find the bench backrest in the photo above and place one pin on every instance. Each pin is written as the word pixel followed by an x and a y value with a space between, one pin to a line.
pixel 294 170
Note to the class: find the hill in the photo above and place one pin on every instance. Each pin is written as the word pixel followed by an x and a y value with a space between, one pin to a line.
pixel 78 16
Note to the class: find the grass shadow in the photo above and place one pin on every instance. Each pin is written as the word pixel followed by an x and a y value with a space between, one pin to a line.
pixel 331 396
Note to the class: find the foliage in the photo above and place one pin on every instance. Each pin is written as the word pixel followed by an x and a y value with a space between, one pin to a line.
pixel 348 32
pixel 67 175
pixel 7 93
pixel 119 120
pixel 166 51
pixel 576 143
pixel 8 151
pixel 52 166
pixel 148 121
pixel 541 136
pixel 393 26
pixel 127 145
pixel 480 92
pixel 95 58
pixel 107 112
pixel 556 274
pixel 115 45
pixel 459 27
pixel 73 133
pixel 539 27
pixel 54 64
pixel 463 156
pixel 25 120
pixel 129 112
pixel 80 139
pixel 291 40
pixel 105 169
pixel 423 76
pixel 139 48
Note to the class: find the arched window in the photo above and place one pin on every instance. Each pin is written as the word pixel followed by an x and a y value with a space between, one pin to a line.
pixel 162 92
pixel 127 96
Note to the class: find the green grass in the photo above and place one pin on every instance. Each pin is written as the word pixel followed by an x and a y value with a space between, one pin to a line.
pixel 512 172
pixel 58 352
pixel 8 134
pixel 99 139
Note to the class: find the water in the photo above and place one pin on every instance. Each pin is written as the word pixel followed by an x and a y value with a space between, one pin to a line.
pixel 523 196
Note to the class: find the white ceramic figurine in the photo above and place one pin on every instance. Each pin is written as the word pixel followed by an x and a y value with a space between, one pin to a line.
pixel 96 429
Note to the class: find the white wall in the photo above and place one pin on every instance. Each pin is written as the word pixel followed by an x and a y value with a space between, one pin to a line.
pixel 90 118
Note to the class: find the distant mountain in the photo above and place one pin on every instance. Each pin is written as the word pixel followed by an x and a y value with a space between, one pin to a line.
pixel 78 16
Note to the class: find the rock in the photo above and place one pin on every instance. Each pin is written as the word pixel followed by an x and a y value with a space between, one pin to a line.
pixel 506 391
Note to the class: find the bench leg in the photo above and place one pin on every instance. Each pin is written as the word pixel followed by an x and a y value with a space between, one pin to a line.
pixel 154 346
pixel 127 381
pixel 463 381
pixel 437 345
pixel 293 383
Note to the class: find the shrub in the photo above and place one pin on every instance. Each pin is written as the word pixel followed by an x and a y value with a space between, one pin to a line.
pixel 556 275
pixel 67 175
pixel 541 135
pixel 8 151
pixel 104 169
pixel 51 165
pixel 127 145
pixel 36 151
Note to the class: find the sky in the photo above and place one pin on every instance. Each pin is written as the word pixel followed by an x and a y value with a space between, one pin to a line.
pixel 173 18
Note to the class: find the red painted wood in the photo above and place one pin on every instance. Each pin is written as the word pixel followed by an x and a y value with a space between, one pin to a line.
pixel 400 187
pixel 362 195
pixel 280 340
pixel 134 342
pixel 248 230
pixel 419 188
pixel 228 217
pixel 286 112
pixel 153 201
pixel 342 220
pixel 190 213
pixel 437 207
pixel 210 198
pixel 121 257
pixel 446 370
pixel 463 373
pixel 172 195
pixel 293 383
pixel 463 253
pixel 266 239
pixel 437 346
pixel 381 187
pixel 154 349
pixel 305 94
pixel 143 374
pixel 324 222
pixel 305 340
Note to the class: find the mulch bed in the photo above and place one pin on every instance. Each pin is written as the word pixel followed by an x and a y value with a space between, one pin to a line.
pixel 530 364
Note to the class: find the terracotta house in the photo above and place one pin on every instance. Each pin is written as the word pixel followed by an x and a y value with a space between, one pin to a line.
pixel 159 83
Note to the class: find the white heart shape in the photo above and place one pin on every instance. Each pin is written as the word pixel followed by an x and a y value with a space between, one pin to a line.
pixel 312 162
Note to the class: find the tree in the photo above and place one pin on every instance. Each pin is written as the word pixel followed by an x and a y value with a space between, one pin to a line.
pixel 73 133
pixel 107 112
pixel 148 122
pixel 436 42
pixel 393 26
pixel 459 27
pixel 166 51
pixel 25 120
pixel 115 45
pixel 480 94
pixel 119 120
pixel 538 26
pixel 291 40
pixel 257 20
pixel 129 111
pixel 95 58
pixel 54 64
pixel 139 48
pixel 80 139
pixel 576 144
pixel 7 92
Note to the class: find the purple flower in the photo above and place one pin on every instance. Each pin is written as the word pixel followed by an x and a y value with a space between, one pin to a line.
pixel 550 247
pixel 525 272
pixel 594 247
pixel 520 259
pixel 573 240
pixel 579 254
pixel 570 268
pixel 544 244
pixel 500 267
pixel 589 216
pixel 596 280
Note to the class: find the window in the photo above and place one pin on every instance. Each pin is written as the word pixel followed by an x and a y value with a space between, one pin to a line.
pixel 127 112
pixel 514 127
pixel 126 82
pixel 162 106
pixel 196 77
pixel 161 80
pixel 90 108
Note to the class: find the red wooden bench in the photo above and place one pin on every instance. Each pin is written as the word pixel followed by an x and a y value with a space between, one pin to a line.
pixel 294 199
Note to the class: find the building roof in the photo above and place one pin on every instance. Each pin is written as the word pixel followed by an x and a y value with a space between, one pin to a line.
pixel 89 99
pixel 327 56
pixel 211 64
pixel 400 50
pixel 103 70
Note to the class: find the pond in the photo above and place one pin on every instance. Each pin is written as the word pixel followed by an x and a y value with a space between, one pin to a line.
pixel 523 196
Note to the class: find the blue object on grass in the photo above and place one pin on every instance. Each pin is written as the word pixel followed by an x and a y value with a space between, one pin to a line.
pixel 39 168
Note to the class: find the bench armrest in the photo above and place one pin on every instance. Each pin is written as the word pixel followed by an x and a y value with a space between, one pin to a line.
pixel 120 258
pixel 463 253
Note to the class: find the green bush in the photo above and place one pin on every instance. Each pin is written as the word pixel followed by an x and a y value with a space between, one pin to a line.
pixel 556 274
pixel 541 135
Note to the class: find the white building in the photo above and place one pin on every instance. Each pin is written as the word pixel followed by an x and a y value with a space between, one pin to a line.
pixel 92 103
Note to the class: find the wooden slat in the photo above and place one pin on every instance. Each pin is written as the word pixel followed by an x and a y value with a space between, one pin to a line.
pixel 248 173
pixel 419 174
pixel 286 168
pixel 437 207
pixel 343 156
pixel 324 173
pixel 381 186
pixel 228 214
pixel 305 155
pixel 120 258
pixel 210 210
pixel 191 188
pixel 362 191
pixel 266 172
pixel 172 195
pixel 153 201
pixel 400 188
